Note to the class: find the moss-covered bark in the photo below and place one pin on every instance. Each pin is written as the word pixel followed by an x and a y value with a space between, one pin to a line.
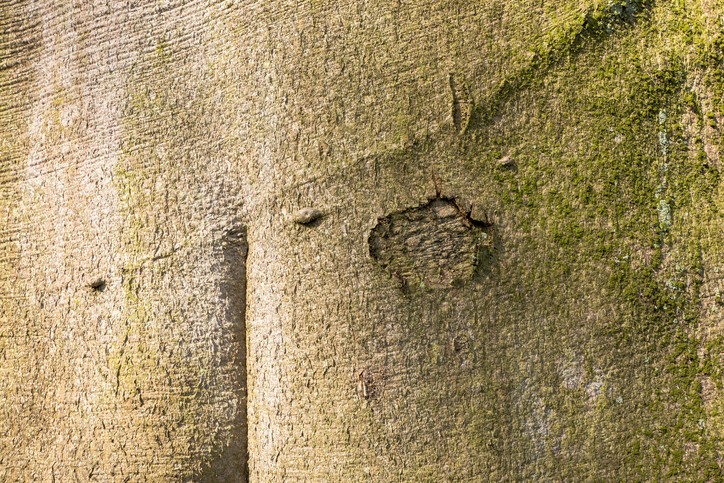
pixel 569 151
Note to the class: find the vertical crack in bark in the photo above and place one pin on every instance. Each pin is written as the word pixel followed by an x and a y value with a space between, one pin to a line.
pixel 461 105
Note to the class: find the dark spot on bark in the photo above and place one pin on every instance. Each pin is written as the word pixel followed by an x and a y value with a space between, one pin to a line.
pixel 364 385
pixel 460 343
pixel 369 384
pixel 97 284
pixel 435 245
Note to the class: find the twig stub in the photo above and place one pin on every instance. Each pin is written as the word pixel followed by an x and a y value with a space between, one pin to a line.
pixel 308 215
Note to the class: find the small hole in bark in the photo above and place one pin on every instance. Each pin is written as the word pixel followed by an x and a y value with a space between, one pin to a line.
pixel 97 284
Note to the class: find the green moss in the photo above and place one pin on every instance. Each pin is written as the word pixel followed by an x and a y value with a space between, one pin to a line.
pixel 607 178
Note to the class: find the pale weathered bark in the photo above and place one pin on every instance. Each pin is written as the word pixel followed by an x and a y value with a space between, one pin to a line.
pixel 516 274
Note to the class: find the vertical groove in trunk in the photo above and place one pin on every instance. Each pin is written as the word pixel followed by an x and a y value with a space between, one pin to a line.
pixel 232 464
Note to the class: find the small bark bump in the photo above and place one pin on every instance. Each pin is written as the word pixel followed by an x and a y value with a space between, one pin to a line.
pixel 507 163
pixel 307 216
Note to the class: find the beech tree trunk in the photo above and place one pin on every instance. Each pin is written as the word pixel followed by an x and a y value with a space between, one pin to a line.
pixel 353 241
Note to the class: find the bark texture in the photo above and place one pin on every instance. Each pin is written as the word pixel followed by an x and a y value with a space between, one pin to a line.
pixel 514 269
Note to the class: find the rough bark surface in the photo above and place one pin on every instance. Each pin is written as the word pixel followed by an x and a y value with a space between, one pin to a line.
pixel 515 271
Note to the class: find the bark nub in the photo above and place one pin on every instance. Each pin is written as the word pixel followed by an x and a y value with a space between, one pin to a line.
pixel 307 216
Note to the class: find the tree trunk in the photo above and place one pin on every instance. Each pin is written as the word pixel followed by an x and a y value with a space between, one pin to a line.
pixel 509 267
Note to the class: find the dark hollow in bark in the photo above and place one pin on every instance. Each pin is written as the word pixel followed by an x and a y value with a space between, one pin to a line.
pixel 230 463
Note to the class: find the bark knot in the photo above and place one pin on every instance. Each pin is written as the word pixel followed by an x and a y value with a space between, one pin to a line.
pixel 436 245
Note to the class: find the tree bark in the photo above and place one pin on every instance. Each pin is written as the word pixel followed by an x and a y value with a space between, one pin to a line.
pixel 342 241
